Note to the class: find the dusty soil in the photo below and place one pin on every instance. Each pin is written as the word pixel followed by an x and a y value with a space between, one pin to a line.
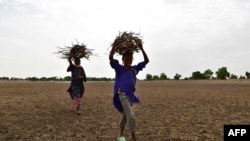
pixel 169 111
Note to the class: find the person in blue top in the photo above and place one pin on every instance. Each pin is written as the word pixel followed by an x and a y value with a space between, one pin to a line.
pixel 78 76
pixel 124 87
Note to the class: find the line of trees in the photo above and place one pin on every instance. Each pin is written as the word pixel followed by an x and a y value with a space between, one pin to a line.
pixel 222 74
pixel 66 78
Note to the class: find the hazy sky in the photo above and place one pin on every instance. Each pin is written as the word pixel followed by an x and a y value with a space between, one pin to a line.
pixel 180 36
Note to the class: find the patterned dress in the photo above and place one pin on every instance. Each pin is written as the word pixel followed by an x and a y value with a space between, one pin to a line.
pixel 76 89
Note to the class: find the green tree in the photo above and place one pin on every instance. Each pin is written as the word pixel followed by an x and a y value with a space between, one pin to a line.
pixel 67 78
pixel 177 76
pixel 208 74
pixel 155 77
pixel 248 75
pixel 32 78
pixel 163 76
pixel 233 76
pixel 149 77
pixel 242 77
pixel 4 78
pixel 43 79
pixel 197 75
pixel 222 73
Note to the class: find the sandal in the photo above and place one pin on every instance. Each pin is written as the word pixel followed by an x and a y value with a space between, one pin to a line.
pixel 121 138
pixel 78 112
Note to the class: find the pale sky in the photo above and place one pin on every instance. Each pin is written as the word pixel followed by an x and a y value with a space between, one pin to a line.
pixel 180 36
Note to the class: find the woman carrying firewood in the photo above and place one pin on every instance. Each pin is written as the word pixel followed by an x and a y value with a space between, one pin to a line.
pixel 78 76
pixel 125 78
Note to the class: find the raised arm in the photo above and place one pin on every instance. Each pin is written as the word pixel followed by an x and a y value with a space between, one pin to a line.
pixel 70 64
pixel 111 54
pixel 145 56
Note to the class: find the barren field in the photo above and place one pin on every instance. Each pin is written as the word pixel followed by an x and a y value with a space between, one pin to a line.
pixel 169 111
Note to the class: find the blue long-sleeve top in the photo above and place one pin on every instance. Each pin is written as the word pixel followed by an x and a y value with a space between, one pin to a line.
pixel 125 81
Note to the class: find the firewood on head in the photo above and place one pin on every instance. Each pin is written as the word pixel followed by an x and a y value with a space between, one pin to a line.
pixel 125 41
pixel 76 51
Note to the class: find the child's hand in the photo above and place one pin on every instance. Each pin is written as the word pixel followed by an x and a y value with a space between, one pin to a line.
pixel 69 57
pixel 79 77
pixel 140 45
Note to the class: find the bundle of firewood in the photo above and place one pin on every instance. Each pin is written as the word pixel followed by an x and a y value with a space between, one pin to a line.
pixel 125 41
pixel 74 51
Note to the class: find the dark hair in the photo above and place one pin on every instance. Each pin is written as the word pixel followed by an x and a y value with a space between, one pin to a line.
pixel 128 52
pixel 77 60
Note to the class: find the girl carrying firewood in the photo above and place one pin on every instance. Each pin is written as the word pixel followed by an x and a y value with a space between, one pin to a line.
pixel 78 76
pixel 125 78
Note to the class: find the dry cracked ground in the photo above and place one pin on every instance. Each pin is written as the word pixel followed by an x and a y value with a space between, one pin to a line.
pixel 169 111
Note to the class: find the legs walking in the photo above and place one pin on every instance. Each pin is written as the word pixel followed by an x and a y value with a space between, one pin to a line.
pixel 122 124
pixel 78 102
pixel 127 116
